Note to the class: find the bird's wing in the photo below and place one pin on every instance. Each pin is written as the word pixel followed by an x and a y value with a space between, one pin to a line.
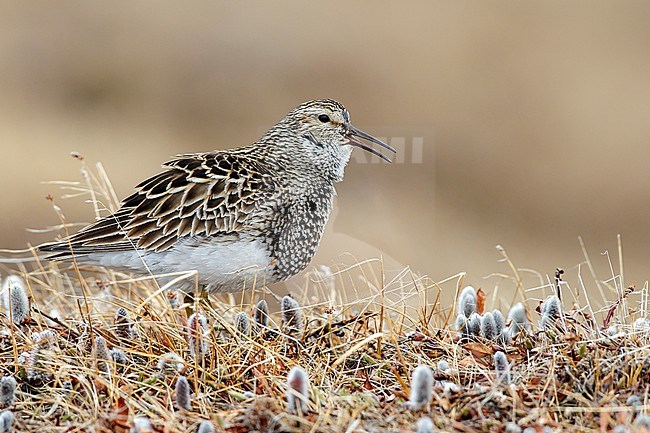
pixel 204 194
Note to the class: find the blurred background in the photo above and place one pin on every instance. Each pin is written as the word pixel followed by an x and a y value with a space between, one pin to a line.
pixel 522 124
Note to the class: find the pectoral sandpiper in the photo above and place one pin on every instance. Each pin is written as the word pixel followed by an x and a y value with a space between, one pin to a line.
pixel 231 215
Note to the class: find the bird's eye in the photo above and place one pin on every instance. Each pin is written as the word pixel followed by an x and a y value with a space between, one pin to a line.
pixel 324 118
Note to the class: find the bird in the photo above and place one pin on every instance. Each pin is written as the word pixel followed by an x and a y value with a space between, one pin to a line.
pixel 237 216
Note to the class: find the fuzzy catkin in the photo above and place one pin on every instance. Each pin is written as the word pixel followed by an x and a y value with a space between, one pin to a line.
pixel 170 363
pixel 118 356
pixel 197 335
pixel 488 327
pixel 642 421
pixel 513 427
pixel 15 299
pixel 621 428
pixel 474 325
pixel 36 359
pixel 633 401
pixel 424 425
pixel 100 352
pixel 124 328
pixel 499 321
pixel 44 339
pixel 205 427
pixel 443 366
pixel 518 320
pixel 421 387
pixel 502 367
pixel 261 313
pixel 468 301
pixel 297 390
pixel 552 306
pixel 243 324
pixel 182 393
pixel 462 325
pixel 641 325
pixel 7 421
pixel 292 315
pixel 141 424
pixel 174 298
pixel 450 388
pixel 551 312
pixel 11 280
pixel 8 390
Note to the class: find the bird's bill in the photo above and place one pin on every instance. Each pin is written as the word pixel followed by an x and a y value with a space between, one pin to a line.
pixel 355 135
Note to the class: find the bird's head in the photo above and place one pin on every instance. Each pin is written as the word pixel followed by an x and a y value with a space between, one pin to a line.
pixel 326 136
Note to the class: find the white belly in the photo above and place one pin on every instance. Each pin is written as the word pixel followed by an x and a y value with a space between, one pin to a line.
pixel 221 266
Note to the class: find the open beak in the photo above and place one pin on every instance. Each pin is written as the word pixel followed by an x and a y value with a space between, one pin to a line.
pixel 354 135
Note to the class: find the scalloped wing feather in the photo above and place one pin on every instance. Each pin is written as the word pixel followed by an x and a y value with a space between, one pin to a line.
pixel 198 195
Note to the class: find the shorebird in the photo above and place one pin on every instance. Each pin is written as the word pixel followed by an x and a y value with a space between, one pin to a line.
pixel 255 212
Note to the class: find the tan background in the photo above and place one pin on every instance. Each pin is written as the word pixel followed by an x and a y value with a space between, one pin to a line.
pixel 535 118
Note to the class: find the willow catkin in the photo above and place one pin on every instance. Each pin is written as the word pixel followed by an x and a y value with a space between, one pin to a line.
pixel 443 366
pixel 461 325
pixel 124 328
pixel 551 312
pixel 518 320
pixel 635 403
pixel 468 301
pixel 512 427
pixel 170 363
pixel 297 390
pixel 182 393
pixel 15 299
pixel 421 387
pixel 41 354
pixel 488 327
pixel 499 321
pixel 119 357
pixel 261 313
pixel 8 387
pixel 7 421
pixel 197 335
pixel 292 315
pixel 101 354
pixel 642 422
pixel 243 324
pixel 474 325
pixel 425 425
pixel 205 427
pixel 502 367
pixel 141 424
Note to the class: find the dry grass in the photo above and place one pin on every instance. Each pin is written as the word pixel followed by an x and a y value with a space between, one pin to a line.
pixel 365 331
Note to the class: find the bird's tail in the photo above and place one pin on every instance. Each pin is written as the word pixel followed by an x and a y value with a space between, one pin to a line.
pixel 16 260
